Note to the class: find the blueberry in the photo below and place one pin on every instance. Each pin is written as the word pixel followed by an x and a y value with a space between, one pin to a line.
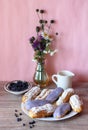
pixel 18 86
pixel 24 124
pixel 15 110
pixel 31 127
pixel 20 114
pixel 33 122
pixel 16 115
pixel 19 119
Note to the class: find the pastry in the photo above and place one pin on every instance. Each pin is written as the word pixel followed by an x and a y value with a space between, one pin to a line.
pixel 44 94
pixel 76 103
pixel 34 103
pixel 31 94
pixel 42 111
pixel 65 96
pixel 54 95
pixel 62 110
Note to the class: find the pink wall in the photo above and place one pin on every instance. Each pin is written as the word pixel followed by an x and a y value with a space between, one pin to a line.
pixel 17 23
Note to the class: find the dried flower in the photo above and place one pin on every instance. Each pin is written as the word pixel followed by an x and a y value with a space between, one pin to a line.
pixel 52 21
pixel 37 29
pixel 41 11
pixel 56 33
pixel 37 10
pixel 42 42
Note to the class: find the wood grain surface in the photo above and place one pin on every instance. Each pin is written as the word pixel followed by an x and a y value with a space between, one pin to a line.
pixel 9 103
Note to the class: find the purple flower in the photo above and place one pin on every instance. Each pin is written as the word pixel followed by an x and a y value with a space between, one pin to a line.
pixel 39 44
pixel 42 46
pixel 35 45
pixel 40 38
pixel 32 39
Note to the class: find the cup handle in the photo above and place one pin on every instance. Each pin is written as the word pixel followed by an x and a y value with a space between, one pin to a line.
pixel 53 78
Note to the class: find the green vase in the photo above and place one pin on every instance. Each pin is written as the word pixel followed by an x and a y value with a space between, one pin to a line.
pixel 41 77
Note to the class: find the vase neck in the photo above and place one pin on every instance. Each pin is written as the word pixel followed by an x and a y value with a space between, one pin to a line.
pixel 41 61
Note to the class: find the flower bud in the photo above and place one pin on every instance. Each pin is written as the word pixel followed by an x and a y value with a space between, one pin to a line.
pixel 37 29
pixel 37 10
pixel 41 11
pixel 52 21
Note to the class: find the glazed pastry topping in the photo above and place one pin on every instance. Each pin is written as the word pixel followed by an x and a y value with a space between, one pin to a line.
pixel 75 101
pixel 34 103
pixel 49 108
pixel 66 92
pixel 44 93
pixel 65 96
pixel 31 94
pixel 62 110
pixel 59 101
pixel 54 94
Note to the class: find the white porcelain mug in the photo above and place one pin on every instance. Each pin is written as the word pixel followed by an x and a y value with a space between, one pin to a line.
pixel 63 79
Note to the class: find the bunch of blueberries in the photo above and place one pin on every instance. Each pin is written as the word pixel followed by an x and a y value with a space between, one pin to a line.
pixel 19 119
pixel 18 85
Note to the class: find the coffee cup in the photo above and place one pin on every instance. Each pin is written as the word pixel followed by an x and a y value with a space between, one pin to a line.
pixel 63 79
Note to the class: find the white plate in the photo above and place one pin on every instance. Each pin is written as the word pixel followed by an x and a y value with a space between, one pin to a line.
pixel 6 87
pixel 71 114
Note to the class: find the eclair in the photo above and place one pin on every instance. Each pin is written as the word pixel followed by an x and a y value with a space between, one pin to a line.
pixel 34 103
pixel 42 111
pixel 44 93
pixel 65 96
pixel 31 94
pixel 76 103
pixel 62 110
pixel 54 95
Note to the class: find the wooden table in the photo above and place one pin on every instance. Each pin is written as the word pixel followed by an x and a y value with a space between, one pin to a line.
pixel 9 103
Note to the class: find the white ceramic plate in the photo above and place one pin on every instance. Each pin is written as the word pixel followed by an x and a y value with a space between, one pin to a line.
pixel 71 114
pixel 6 87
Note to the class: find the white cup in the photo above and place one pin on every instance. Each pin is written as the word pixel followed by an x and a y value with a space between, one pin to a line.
pixel 63 79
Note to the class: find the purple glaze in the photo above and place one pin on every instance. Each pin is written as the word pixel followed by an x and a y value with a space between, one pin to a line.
pixel 54 94
pixel 34 103
pixel 62 110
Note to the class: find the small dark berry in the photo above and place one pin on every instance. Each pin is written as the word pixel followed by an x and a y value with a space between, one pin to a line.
pixel 30 122
pixel 31 127
pixel 33 122
pixel 24 124
pixel 41 11
pixel 15 110
pixel 37 10
pixel 16 115
pixel 19 119
pixel 20 114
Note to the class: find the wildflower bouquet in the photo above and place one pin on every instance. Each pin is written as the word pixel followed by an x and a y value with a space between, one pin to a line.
pixel 41 44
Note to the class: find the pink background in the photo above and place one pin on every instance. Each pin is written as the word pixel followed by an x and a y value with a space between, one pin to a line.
pixel 17 24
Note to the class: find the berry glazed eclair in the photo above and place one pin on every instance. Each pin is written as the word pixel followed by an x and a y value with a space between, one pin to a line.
pixel 31 94
pixel 62 110
pixel 76 103
pixel 65 96
pixel 54 95
pixel 42 111
pixel 34 103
